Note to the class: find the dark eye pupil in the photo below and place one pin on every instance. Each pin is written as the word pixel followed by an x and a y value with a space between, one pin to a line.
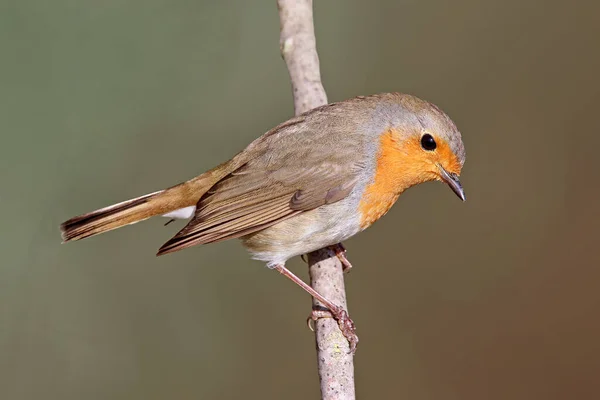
pixel 428 142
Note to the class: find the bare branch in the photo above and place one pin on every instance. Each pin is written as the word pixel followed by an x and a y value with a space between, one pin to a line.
pixel 298 48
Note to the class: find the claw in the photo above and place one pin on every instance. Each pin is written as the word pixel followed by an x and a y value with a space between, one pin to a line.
pixel 339 314
pixel 343 319
pixel 347 327
pixel 315 315
pixel 340 252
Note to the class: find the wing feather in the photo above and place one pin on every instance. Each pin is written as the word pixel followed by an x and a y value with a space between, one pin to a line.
pixel 283 173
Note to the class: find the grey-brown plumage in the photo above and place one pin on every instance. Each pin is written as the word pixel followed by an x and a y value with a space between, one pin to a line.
pixel 302 185
pixel 266 190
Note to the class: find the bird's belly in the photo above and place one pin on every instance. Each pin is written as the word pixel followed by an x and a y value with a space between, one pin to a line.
pixel 303 233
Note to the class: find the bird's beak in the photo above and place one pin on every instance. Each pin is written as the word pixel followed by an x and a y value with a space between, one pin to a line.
pixel 452 180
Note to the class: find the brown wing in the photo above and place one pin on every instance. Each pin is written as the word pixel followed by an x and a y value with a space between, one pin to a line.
pixel 250 199
pixel 298 166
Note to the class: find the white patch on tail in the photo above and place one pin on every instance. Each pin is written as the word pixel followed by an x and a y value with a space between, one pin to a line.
pixel 182 213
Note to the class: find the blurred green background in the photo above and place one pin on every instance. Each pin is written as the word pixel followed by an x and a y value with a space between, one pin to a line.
pixel 496 298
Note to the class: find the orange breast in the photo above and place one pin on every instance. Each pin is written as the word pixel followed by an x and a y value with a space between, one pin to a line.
pixel 398 167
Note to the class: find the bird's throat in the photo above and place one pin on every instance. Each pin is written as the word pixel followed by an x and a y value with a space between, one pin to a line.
pixel 398 167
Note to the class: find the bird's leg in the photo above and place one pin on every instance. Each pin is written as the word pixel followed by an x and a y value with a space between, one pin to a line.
pixel 338 313
pixel 340 252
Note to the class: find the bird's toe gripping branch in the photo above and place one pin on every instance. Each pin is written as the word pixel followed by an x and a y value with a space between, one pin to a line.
pixel 343 319
pixel 330 311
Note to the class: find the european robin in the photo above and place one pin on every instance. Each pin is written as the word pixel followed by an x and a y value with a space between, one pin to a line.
pixel 309 183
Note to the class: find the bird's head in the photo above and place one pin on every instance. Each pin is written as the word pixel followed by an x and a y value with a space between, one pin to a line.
pixel 423 142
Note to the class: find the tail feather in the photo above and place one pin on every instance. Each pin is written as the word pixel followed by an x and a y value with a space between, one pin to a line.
pixel 131 211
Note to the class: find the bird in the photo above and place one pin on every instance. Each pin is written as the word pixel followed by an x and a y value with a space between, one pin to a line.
pixel 311 182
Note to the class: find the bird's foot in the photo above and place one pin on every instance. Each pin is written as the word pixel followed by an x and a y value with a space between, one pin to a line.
pixel 340 252
pixel 343 319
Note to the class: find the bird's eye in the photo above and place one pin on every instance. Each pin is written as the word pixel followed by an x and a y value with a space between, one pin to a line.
pixel 428 142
